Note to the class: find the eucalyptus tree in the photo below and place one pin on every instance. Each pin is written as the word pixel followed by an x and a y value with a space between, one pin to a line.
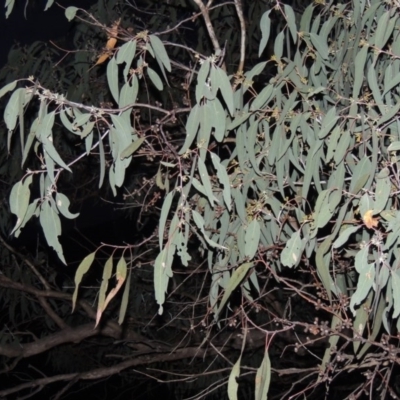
pixel 257 144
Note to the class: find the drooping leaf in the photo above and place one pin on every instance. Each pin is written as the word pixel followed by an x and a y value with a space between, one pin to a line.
pixel 162 273
pixel 192 127
pixel 252 239
pixel 7 88
pixel 160 52
pixel 224 180
pixel 14 108
pixel 225 88
pixel 294 247
pixel 132 148
pixel 63 202
pixel 320 45
pixel 232 382
pixel 344 236
pixel 237 277
pixel 205 179
pixel 155 78
pixel 51 224
pixel 19 200
pixel 107 271
pixel 265 25
pixel 323 265
pixel 163 217
pixel 124 300
pixel 112 78
pixel 364 284
pixel 263 378
pixel 82 269
pixel 120 277
pixel 395 275
pixel 291 21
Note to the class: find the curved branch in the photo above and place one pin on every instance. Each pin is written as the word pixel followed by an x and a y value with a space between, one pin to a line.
pixel 68 335
pixel 99 373
pixel 209 26
pixel 239 10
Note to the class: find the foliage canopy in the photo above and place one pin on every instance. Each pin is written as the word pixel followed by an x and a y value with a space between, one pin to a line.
pixel 259 142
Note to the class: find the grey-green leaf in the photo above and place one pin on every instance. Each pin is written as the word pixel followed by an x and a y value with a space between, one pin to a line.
pixel 83 268
pixel 63 203
pixel 252 239
pixel 70 13
pixel 128 151
pixel 265 25
pixel 7 88
pixel 155 78
pixel 112 78
pixel 263 378
pixel 294 247
pixel 160 52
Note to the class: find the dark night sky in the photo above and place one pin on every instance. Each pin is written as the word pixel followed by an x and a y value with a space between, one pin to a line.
pixel 38 25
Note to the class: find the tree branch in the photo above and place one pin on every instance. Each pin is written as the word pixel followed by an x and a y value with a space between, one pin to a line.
pixel 192 352
pixel 239 10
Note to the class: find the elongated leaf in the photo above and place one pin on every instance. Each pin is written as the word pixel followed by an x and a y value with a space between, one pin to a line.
pixel 237 277
pixel 155 78
pixel 359 69
pixel 262 98
pixel 120 277
pixel 263 378
pixel 395 291
pixel 344 236
pixel 294 247
pixel 291 21
pixel 323 266
pixel 205 179
pixel 381 30
pixel 202 80
pixel 102 158
pixel 82 269
pixel 7 88
pixel 361 319
pixel 361 174
pixel 225 88
pixel 160 52
pixel 382 192
pixel 252 239
pixel 107 271
pixel 199 221
pixel 232 382
pixel 365 281
pixel 163 217
pixel 265 25
pixel 278 45
pixel 162 273
pixel 378 316
pixel 126 53
pixel 51 224
pixel 320 45
pixel 125 298
pixel 132 148
pixel 19 200
pixel 224 180
pixel 112 78
pixel 52 152
pixel 217 118
pixel 192 127
pixel 14 108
